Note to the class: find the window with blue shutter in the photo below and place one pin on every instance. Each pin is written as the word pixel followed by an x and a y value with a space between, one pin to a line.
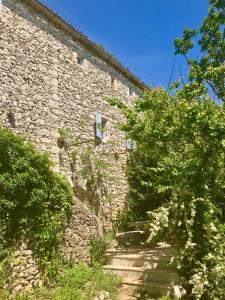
pixel 130 144
pixel 98 126
pixel 101 125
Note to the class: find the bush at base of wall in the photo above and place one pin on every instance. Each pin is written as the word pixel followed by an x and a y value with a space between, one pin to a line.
pixel 35 202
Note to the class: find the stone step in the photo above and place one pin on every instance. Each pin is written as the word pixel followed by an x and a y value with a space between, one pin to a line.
pixel 140 260
pixel 143 248
pixel 144 274
pixel 153 252
pixel 154 289
pixel 127 292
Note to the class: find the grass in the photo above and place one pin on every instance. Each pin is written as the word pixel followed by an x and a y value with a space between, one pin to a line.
pixel 79 282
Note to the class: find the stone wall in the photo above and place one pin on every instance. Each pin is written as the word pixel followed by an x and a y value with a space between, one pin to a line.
pixel 45 87
pixel 83 226
pixel 24 272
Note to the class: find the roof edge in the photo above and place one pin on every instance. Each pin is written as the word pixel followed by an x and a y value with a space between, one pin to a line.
pixel 88 44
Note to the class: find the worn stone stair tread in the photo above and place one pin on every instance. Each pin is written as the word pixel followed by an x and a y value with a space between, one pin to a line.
pixel 140 250
pixel 124 268
pixel 133 256
pixel 139 269
pixel 145 274
pixel 155 288
pixel 141 283
pixel 144 247
pixel 152 262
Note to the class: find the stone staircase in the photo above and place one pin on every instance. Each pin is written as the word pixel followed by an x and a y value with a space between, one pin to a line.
pixel 143 268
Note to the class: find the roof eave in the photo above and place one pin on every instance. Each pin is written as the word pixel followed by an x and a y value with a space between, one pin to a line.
pixel 88 44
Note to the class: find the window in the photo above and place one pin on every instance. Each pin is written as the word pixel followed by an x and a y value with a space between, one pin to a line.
pixel 113 83
pixel 130 91
pixel 101 130
pixel 11 119
pixel 81 60
pixel 130 144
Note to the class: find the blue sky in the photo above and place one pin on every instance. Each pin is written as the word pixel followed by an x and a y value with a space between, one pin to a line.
pixel 139 33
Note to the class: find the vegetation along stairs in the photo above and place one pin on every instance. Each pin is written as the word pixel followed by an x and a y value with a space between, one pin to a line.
pixel 144 269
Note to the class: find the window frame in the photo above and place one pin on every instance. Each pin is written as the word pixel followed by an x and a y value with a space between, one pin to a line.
pixel 81 61
pixel 101 127
pixel 114 83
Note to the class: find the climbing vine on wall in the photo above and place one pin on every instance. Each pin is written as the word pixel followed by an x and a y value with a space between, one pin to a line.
pixel 90 168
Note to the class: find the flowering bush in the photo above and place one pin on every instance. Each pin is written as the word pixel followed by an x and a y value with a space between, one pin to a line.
pixel 177 179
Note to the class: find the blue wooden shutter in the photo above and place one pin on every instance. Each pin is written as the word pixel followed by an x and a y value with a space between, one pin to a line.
pixel 98 125
pixel 130 144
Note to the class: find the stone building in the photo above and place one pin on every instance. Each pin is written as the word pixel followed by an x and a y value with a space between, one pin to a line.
pixel 53 87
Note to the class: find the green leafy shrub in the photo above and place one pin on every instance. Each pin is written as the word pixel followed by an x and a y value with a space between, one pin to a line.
pixel 124 217
pixel 35 202
pixel 99 247
pixel 208 71
pixel 177 180
pixel 4 294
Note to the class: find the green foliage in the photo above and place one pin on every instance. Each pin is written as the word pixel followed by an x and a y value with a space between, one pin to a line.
pixel 128 214
pixel 65 133
pixel 209 71
pixel 91 165
pixel 76 277
pixel 5 270
pixel 99 247
pixel 23 296
pixel 177 174
pixel 95 171
pixel 81 282
pixel 166 298
pixel 35 202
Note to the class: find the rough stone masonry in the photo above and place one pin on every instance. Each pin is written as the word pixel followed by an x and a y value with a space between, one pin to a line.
pixel 53 80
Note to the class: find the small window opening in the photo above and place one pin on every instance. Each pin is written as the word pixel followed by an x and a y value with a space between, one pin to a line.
pixel 131 91
pixel 81 60
pixel 101 130
pixel 11 119
pixel 113 83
